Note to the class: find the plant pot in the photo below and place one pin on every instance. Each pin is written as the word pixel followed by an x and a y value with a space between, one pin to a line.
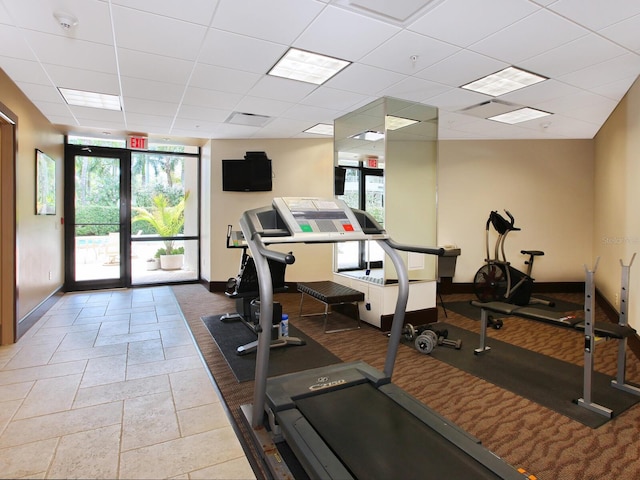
pixel 153 264
pixel 171 262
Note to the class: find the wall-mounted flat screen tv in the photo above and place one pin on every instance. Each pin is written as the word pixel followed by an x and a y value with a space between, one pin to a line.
pixel 253 174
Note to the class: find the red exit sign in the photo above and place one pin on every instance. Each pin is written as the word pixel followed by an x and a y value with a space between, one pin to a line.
pixel 372 162
pixel 138 143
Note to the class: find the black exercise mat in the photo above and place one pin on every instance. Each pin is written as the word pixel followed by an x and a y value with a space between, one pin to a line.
pixel 465 308
pixel 545 380
pixel 229 335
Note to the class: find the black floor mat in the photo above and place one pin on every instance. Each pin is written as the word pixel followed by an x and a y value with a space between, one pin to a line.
pixel 230 335
pixel 547 381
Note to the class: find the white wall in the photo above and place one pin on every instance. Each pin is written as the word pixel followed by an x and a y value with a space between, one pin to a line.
pixel 546 184
pixel 300 167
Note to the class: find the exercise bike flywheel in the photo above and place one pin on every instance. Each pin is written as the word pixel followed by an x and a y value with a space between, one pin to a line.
pixel 490 282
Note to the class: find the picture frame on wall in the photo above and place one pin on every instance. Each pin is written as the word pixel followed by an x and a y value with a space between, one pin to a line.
pixel 45 184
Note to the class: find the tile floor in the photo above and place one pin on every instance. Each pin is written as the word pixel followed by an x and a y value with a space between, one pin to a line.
pixel 111 385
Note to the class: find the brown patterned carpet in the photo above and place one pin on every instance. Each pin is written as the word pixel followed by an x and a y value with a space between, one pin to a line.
pixel 525 434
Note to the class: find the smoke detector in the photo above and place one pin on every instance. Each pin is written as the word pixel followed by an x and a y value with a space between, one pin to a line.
pixel 65 20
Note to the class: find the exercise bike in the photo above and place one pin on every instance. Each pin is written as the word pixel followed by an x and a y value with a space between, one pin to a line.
pixel 497 280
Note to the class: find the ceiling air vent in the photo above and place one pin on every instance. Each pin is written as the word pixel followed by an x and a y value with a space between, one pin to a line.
pixel 490 108
pixel 248 119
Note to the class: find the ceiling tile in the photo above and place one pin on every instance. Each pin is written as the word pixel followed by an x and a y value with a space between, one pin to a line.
pixel 280 21
pixel 150 107
pixel 596 14
pixel 334 99
pixel 13 44
pixel 152 90
pixel 24 70
pixel 571 56
pixel 240 52
pixel 210 98
pixel 414 89
pixel 194 11
pixel 281 89
pixel 352 36
pixel 625 33
pixel 375 79
pixel 151 33
pixel 408 53
pixel 603 73
pixel 69 52
pixel 92 15
pixel 79 79
pixel 262 106
pixel 448 23
pixel 514 43
pixel 223 79
pixel 461 68
pixel 153 67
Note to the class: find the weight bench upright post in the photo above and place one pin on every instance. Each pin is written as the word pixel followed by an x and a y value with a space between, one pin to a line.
pixel 589 347
pixel 620 382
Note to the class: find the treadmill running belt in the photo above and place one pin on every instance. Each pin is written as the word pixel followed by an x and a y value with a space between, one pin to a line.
pixel 375 438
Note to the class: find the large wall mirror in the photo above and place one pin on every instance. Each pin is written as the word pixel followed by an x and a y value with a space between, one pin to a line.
pixel 385 156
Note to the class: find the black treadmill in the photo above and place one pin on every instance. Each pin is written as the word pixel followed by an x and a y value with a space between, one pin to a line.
pixel 348 420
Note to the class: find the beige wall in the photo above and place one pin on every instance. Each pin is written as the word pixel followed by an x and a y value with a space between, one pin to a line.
pixel 301 167
pixel 546 184
pixel 39 238
pixel 617 196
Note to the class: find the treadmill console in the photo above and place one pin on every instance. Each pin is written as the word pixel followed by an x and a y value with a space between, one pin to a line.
pixel 318 219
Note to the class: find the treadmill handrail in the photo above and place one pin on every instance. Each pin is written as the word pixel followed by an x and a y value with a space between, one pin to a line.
pixel 439 251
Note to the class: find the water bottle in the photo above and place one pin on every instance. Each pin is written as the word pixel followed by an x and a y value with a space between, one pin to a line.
pixel 284 325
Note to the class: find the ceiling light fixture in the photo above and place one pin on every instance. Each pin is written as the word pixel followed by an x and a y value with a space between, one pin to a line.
pixel 521 115
pixel 369 135
pixel 82 98
pixel 320 129
pixel 307 66
pixel 391 122
pixel 505 81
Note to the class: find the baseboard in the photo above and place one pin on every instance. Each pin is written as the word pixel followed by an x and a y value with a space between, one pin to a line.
pixel 37 313
pixel 446 286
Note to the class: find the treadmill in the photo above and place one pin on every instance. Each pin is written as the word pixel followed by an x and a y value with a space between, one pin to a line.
pixel 348 421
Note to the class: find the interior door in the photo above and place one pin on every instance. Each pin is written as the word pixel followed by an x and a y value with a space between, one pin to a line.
pixel 97 226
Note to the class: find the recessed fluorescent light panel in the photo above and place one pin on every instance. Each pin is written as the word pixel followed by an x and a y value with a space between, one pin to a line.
pixel 505 81
pixel 392 122
pixel 369 135
pixel 520 115
pixel 307 67
pixel 90 99
pixel 321 129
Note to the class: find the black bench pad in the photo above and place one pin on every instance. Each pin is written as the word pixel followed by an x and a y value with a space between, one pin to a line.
pixel 330 292
pixel 601 329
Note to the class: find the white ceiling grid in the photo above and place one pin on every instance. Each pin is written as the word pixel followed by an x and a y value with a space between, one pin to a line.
pixel 183 68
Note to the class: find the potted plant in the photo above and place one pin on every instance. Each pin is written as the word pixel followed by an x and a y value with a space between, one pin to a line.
pixel 153 264
pixel 168 221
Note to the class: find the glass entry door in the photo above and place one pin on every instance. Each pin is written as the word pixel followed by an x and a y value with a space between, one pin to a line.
pixel 364 190
pixel 96 218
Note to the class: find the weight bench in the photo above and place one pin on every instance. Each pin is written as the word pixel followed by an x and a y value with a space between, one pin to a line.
pixel 600 329
pixel 592 330
pixel 330 293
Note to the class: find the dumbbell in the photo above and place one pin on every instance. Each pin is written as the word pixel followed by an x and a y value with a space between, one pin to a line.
pixel 426 342
pixel 457 344
pixel 495 323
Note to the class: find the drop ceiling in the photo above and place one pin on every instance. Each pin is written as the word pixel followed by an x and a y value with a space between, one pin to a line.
pixel 184 68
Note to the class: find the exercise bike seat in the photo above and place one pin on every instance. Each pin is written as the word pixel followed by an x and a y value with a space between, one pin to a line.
pixel 533 253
